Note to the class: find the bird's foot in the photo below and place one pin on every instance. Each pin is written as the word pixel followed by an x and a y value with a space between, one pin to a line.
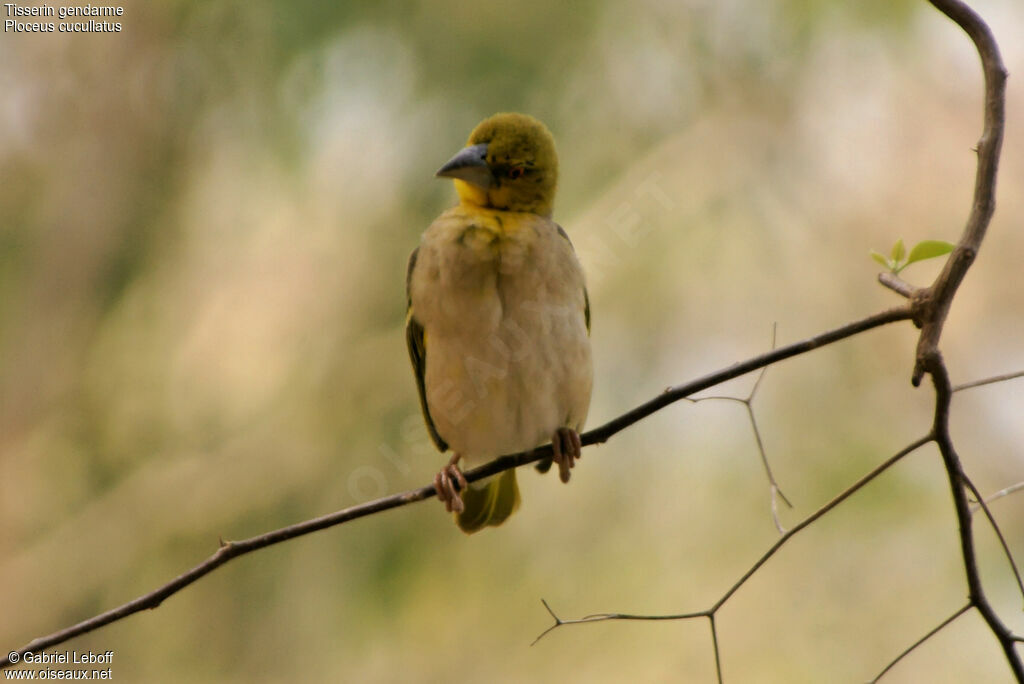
pixel 567 448
pixel 449 484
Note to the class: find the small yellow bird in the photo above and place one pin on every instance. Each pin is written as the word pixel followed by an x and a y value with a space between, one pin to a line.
pixel 498 324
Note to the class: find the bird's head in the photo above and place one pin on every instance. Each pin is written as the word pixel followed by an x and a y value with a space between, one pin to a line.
pixel 509 163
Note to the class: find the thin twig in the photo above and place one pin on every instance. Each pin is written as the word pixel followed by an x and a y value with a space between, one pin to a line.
pixel 957 481
pixel 714 644
pixel 558 622
pixel 773 486
pixel 995 528
pixel 938 628
pixel 230 550
pixel 931 306
pixel 989 381
pixel 838 499
pixel 673 394
pixel 930 309
pixel 774 490
pixel 1004 492
pixel 896 284
pixel 841 497
pixel 604 617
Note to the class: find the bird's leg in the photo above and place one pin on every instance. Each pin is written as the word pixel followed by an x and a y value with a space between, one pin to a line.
pixel 449 483
pixel 567 448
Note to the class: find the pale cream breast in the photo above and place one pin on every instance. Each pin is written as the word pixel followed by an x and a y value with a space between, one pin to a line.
pixel 501 298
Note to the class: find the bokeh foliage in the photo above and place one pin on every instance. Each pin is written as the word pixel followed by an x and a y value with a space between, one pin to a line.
pixel 204 222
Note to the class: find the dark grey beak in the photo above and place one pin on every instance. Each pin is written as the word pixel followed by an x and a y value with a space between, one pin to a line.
pixel 470 165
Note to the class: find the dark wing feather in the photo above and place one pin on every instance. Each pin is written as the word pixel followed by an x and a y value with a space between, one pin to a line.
pixel 586 297
pixel 414 338
pixel 586 309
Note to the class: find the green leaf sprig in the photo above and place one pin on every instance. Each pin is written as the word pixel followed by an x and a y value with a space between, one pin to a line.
pixel 898 258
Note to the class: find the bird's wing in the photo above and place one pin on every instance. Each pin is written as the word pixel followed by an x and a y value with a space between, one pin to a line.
pixel 586 297
pixel 586 308
pixel 416 340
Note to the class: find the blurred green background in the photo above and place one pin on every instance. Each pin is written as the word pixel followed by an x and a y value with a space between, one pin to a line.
pixel 204 225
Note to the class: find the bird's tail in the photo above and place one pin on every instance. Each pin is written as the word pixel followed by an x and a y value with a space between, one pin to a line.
pixel 490 504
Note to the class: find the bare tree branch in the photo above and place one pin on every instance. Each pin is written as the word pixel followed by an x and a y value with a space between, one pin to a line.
pixel 714 644
pixel 748 401
pixel 957 480
pixel 932 305
pixel 896 284
pixel 928 307
pixel 233 549
pixel 673 394
pixel 935 302
pixel 710 612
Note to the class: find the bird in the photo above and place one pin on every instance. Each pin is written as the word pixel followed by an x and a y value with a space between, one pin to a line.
pixel 498 319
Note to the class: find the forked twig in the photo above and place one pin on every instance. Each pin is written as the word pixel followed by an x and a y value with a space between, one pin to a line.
pixel 717 605
pixel 233 549
pixel 748 401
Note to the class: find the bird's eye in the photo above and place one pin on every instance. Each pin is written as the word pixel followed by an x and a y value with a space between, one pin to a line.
pixel 515 172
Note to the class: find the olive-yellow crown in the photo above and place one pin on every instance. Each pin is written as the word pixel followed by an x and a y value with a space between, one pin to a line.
pixel 510 161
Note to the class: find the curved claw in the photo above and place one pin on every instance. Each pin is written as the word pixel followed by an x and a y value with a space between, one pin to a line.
pixel 449 483
pixel 567 448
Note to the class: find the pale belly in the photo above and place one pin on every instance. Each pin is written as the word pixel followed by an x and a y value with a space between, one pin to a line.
pixel 508 388
pixel 507 349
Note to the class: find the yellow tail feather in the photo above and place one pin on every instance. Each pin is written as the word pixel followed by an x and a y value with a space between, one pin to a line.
pixel 490 504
